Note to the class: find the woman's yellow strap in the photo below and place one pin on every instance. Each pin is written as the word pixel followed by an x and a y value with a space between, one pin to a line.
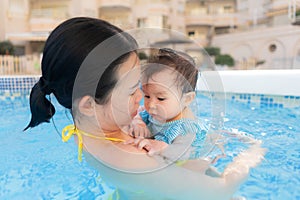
pixel 180 163
pixel 70 130
pixel 102 138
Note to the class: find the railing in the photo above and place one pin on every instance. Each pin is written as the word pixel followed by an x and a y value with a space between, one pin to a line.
pixel 45 20
pixel 293 7
pixel 275 63
pixel 52 13
pixel 226 19
pixel 286 63
pixel 19 65
pixel 116 3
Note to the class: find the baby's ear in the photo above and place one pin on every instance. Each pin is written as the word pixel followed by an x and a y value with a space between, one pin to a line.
pixel 86 106
pixel 188 98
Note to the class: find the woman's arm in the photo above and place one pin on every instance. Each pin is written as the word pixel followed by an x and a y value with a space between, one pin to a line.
pixel 170 182
pixel 131 173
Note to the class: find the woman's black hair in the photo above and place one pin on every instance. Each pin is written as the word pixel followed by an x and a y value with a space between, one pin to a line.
pixel 65 50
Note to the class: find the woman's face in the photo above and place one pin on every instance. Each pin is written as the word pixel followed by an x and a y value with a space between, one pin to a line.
pixel 126 95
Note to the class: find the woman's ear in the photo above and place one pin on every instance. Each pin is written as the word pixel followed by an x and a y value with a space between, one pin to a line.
pixel 86 106
pixel 188 98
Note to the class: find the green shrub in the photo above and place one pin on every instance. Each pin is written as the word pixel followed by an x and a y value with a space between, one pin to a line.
pixel 6 48
pixel 260 62
pixel 212 51
pixel 142 55
pixel 224 60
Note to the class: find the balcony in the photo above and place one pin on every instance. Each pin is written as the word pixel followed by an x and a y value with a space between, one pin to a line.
pixel 296 21
pixel 46 19
pixel 199 20
pixel 279 4
pixel 277 7
pixel 125 25
pixel 159 8
pixel 115 4
pixel 220 20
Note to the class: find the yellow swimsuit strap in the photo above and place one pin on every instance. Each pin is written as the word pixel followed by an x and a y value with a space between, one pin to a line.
pixel 70 130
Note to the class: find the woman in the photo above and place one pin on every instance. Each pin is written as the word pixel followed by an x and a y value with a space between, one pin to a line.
pixel 92 68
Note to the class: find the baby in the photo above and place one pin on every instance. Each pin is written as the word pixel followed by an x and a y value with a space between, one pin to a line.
pixel 168 83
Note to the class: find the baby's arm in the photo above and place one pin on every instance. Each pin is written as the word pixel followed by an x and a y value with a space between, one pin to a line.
pixel 167 139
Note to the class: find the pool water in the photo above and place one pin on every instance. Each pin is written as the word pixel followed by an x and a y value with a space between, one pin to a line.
pixel 36 164
pixel 278 176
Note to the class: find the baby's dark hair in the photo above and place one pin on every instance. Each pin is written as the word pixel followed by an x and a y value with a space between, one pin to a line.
pixel 180 62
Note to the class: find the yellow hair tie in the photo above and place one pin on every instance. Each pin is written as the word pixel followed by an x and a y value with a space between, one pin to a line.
pixel 70 130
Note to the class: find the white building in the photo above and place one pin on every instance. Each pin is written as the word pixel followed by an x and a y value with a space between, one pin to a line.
pixel 272 36
pixel 251 31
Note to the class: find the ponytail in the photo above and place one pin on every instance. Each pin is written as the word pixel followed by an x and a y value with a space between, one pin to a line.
pixel 41 108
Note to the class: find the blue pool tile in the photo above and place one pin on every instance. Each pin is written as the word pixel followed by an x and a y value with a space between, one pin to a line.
pixel 11 87
pixel 271 105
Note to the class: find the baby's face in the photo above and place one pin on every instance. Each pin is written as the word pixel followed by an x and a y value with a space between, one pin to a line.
pixel 162 96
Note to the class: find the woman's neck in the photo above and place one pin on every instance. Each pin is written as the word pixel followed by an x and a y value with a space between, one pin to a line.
pixel 91 127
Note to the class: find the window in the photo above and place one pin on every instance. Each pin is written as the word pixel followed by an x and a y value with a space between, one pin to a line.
pixel 141 22
pixel 89 12
pixel 191 33
pixel 17 7
pixel 228 9
pixel 157 21
pixel 165 22
pixel 272 48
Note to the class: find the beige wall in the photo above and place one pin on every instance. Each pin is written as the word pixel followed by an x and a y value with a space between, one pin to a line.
pixel 2 19
pixel 257 43
pixel 13 18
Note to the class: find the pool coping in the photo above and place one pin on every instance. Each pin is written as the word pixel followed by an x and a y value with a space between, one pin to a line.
pixel 255 87
pixel 270 82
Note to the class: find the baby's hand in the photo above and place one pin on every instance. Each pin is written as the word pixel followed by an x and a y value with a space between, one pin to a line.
pixel 138 128
pixel 152 146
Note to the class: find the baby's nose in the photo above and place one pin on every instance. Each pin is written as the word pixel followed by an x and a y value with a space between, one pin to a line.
pixel 152 105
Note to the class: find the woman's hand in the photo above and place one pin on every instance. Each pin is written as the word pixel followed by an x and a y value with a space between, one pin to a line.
pixel 151 146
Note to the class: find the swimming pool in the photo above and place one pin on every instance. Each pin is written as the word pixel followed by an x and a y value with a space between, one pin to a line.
pixel 36 164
